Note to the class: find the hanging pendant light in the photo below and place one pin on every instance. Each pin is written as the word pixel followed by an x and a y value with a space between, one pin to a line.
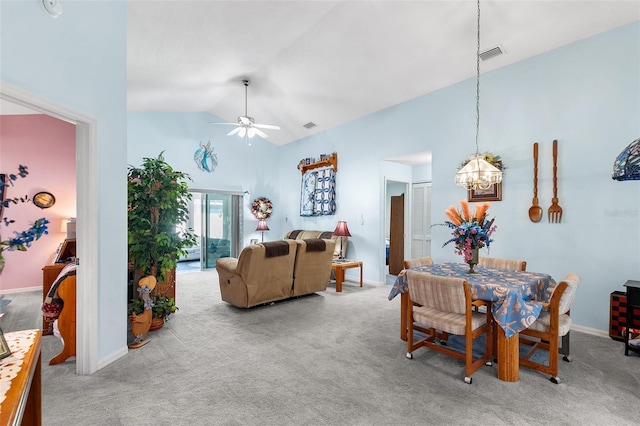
pixel 478 173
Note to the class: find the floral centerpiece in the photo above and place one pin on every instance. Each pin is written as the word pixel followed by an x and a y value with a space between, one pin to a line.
pixel 21 240
pixel 470 232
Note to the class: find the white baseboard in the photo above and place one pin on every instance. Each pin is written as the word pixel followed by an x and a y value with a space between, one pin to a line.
pixel 589 330
pixel 113 357
pixel 21 290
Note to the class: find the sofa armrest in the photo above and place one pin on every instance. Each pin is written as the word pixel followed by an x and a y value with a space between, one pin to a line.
pixel 227 264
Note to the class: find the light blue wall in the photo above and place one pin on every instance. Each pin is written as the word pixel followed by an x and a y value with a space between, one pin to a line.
pixel 586 95
pixel 79 60
pixel 590 103
pixel 240 167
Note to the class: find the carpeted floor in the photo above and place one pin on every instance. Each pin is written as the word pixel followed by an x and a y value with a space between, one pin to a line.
pixel 188 266
pixel 325 359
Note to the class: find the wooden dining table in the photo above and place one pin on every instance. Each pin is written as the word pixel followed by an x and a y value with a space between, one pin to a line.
pixel 516 298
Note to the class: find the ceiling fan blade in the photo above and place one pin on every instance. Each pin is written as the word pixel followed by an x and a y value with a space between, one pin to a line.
pixel 260 133
pixel 234 131
pixel 267 126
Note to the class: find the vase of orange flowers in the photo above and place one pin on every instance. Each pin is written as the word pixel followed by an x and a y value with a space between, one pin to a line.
pixel 471 232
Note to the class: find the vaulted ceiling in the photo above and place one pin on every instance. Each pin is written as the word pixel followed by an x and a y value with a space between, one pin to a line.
pixel 329 62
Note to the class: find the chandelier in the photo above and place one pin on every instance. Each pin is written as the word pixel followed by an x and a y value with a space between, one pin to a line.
pixel 478 173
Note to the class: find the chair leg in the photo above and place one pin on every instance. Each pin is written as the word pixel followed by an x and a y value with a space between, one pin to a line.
pixel 566 349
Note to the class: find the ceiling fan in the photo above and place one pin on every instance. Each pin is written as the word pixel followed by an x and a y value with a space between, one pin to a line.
pixel 247 125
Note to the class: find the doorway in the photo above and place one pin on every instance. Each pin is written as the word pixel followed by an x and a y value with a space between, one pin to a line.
pixel 87 307
pixel 396 220
pixel 215 218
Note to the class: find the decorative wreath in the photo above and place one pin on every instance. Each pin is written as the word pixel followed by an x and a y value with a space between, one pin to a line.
pixel 261 208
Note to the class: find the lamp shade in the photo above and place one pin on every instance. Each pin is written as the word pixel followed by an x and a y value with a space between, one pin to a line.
pixel 627 165
pixel 262 225
pixel 342 230
pixel 478 174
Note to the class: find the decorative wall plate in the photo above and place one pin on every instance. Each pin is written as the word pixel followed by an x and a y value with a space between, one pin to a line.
pixel 44 199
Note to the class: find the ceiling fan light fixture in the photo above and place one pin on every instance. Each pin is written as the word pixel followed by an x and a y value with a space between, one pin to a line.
pixel 247 127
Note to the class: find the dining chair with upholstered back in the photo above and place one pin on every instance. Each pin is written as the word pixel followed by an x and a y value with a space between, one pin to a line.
pixel 445 304
pixel 553 323
pixel 416 263
pixel 496 263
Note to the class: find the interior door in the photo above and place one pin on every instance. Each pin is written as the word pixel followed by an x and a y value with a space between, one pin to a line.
pixel 421 220
pixel 396 235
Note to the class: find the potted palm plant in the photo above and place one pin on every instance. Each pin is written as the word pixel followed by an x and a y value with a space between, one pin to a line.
pixel 158 198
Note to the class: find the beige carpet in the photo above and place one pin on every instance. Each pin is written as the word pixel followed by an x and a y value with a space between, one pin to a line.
pixel 326 359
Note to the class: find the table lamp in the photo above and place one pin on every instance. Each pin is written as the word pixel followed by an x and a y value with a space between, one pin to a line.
pixel 342 230
pixel 262 226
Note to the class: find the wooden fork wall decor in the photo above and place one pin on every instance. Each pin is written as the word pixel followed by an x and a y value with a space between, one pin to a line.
pixel 555 211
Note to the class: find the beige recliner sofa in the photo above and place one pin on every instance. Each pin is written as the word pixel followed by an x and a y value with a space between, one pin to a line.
pixel 276 270
pixel 312 270
pixel 340 242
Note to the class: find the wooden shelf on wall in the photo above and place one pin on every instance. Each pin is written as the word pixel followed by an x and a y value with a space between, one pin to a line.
pixel 332 160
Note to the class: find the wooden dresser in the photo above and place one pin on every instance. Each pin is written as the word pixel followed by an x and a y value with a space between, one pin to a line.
pixel 21 377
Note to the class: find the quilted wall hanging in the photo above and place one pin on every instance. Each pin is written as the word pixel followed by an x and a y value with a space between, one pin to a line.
pixel 318 188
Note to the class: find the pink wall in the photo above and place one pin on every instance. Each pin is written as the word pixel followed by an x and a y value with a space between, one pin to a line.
pixel 47 147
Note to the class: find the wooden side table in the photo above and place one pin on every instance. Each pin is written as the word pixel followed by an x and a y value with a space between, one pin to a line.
pixel 339 265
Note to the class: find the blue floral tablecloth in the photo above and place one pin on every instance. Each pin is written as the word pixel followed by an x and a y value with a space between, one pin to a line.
pixel 516 296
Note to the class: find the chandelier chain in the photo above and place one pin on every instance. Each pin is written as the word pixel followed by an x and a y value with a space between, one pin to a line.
pixel 478 83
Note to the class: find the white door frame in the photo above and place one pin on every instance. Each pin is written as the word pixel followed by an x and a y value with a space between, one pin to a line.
pixel 87 224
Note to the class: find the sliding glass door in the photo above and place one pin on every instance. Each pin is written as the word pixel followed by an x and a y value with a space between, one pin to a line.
pixel 216 219
pixel 221 225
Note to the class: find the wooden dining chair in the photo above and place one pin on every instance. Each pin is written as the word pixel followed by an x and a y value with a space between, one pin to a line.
pixel 554 323
pixel 446 305
pixel 416 263
pixel 496 263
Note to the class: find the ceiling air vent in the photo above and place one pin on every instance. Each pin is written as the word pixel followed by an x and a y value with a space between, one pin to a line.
pixel 309 125
pixel 491 53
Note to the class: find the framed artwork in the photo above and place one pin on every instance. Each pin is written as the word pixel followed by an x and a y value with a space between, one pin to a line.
pixel 494 193
pixel 4 347
pixel 254 241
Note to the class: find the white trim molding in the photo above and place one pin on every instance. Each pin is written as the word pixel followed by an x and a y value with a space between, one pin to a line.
pixel 87 210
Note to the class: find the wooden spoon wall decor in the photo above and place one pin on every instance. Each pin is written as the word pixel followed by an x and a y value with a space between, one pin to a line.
pixel 535 211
